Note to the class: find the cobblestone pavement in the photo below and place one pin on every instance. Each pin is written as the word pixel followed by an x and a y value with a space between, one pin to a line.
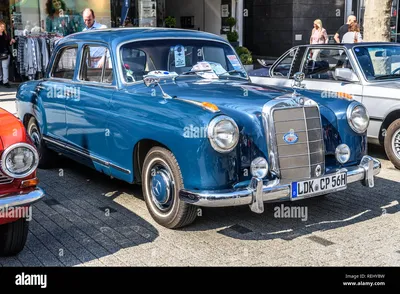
pixel 88 219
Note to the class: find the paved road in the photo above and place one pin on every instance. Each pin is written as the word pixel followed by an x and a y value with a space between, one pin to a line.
pixel 88 219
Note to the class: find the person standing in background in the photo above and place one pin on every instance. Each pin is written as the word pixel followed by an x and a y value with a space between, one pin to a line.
pixel 90 20
pixel 5 42
pixel 353 35
pixel 344 29
pixel 96 53
pixel 318 34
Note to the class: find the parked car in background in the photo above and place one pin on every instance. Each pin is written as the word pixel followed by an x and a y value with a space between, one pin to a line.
pixel 18 183
pixel 175 111
pixel 364 72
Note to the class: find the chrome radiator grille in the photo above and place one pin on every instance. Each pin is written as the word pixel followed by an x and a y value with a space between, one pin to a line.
pixel 299 160
pixel 5 179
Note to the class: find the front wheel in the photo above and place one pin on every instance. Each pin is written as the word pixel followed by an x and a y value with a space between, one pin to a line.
pixel 47 157
pixel 13 237
pixel 392 143
pixel 161 183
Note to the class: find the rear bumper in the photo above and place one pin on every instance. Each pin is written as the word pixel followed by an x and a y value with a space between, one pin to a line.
pixel 259 192
pixel 23 199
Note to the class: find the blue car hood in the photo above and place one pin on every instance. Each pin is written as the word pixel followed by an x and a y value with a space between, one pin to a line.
pixel 226 94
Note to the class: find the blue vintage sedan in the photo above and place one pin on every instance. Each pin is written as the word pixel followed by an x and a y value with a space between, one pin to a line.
pixel 175 111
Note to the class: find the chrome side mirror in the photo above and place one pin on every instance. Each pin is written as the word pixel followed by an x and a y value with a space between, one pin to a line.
pixel 151 81
pixel 298 79
pixel 346 74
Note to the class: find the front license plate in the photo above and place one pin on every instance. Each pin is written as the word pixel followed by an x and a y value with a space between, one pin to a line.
pixel 319 186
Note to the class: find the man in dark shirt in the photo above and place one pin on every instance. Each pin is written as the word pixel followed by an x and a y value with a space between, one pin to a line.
pixel 344 29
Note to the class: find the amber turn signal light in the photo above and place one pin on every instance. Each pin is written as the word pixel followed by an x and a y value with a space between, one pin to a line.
pixel 29 183
pixel 210 106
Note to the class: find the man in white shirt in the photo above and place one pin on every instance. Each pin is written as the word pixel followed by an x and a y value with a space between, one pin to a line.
pixel 96 54
pixel 90 20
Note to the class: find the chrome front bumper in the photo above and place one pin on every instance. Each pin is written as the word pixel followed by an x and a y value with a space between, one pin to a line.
pixel 259 192
pixel 23 199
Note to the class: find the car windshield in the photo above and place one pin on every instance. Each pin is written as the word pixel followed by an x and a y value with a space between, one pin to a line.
pixel 178 56
pixel 379 62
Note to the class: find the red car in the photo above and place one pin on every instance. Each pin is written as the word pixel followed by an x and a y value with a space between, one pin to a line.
pixel 18 183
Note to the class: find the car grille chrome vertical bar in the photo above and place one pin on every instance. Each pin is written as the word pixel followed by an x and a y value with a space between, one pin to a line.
pixel 299 116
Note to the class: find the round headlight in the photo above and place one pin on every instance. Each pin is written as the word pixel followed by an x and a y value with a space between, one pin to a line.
pixel 259 167
pixel 342 153
pixel 358 117
pixel 19 160
pixel 223 134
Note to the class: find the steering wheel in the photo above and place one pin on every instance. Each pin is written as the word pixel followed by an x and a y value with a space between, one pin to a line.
pixel 396 70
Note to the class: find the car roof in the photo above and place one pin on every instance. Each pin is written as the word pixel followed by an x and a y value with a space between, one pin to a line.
pixel 120 35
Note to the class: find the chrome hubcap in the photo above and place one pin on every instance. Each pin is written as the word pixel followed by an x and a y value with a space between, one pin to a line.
pixel 396 143
pixel 35 137
pixel 161 187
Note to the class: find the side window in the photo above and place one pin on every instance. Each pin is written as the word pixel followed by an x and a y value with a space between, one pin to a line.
pixel 321 63
pixel 65 63
pixel 134 64
pixel 282 69
pixel 96 65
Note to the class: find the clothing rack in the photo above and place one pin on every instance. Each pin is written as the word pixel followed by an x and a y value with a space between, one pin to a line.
pixel 32 54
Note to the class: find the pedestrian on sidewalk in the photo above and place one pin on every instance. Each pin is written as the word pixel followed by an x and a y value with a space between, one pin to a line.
pixel 344 29
pixel 318 34
pixel 353 35
pixel 5 42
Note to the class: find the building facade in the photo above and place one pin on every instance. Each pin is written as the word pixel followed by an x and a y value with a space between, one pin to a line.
pixel 266 27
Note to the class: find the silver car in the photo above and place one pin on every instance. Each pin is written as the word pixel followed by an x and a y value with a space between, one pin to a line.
pixel 366 72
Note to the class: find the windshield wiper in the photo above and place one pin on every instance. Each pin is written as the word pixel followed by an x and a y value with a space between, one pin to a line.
pixel 186 73
pixel 234 71
pixel 387 77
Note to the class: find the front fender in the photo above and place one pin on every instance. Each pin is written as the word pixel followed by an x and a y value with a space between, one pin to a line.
pixel 29 102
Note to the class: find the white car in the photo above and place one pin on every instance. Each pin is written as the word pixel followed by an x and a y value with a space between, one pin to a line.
pixel 366 72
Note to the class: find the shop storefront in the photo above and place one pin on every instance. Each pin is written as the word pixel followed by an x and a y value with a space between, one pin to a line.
pixel 42 22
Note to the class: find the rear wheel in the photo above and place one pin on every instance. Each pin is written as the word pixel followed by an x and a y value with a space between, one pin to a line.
pixel 13 237
pixel 392 143
pixel 47 157
pixel 161 183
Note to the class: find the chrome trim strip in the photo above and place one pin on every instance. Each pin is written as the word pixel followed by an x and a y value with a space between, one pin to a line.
pixel 4 179
pixel 86 154
pixel 308 142
pixel 25 198
pixel 302 143
pixel 301 166
pixel 288 156
pixel 271 191
pixel 300 131
pixel 296 119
